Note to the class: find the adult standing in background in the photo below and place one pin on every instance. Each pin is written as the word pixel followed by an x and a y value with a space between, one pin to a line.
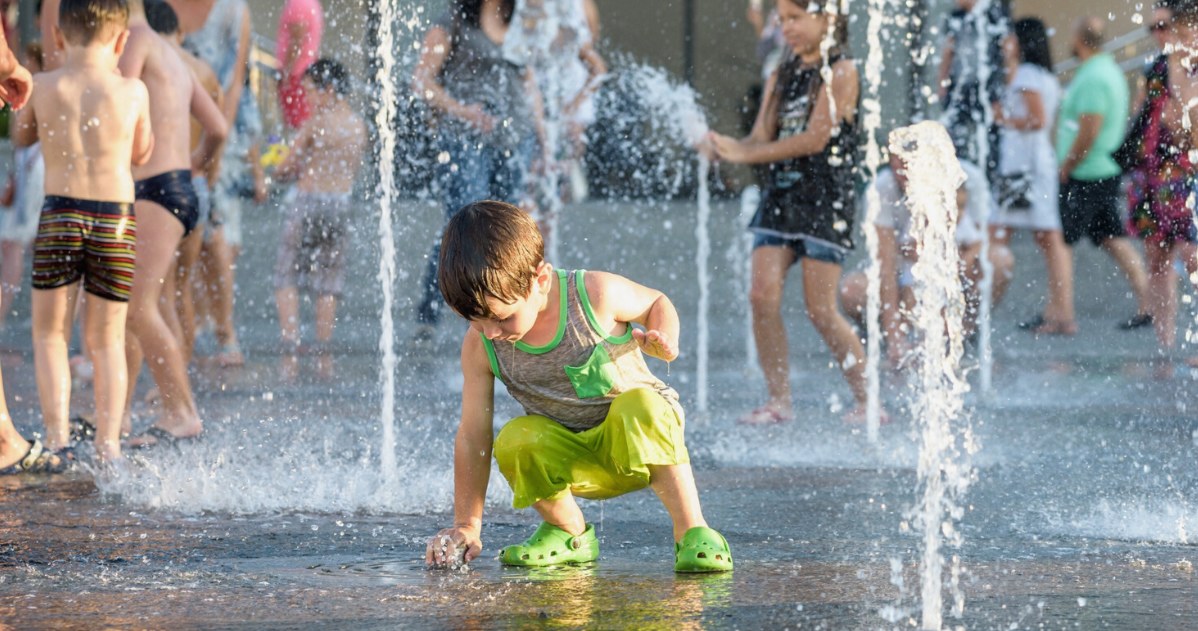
pixel 297 45
pixel 1089 130
pixel 485 118
pixel 218 32
pixel 1028 189
pixel 972 42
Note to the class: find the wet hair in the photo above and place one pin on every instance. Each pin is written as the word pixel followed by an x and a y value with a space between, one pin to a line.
pixel 469 12
pixel 327 74
pixel 162 17
pixel 82 21
pixel 490 249
pixel 837 13
pixel 1033 42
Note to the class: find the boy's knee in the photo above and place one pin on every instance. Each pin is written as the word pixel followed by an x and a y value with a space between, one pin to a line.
pixel 765 299
pixel 641 406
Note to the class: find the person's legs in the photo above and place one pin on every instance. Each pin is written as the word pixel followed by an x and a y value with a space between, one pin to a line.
pixel 326 318
pixel 1058 261
pixel 12 268
pixel 820 279
pixel 853 290
pixel 675 487
pixel 1128 259
pixel 221 265
pixel 185 281
pixel 287 304
pixel 770 264
pixel 105 334
pixel 1162 286
pixel 160 233
pixel 286 276
pixel 52 317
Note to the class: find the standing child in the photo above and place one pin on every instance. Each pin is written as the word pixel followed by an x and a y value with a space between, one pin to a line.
pixel 807 132
pixel 93 125
pixel 324 159
pixel 598 424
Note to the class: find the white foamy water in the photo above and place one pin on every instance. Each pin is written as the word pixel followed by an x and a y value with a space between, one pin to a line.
pixel 872 118
pixel 1165 521
pixel 702 254
pixel 933 176
pixel 985 285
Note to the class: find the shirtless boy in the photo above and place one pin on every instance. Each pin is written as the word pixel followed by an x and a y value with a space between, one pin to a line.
pixel 93 125
pixel 166 210
pixel 324 160
pixel 163 19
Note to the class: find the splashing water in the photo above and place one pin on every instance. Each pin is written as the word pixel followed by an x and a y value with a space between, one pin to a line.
pixel 702 254
pixel 872 108
pixel 986 284
pixel 933 178
pixel 385 192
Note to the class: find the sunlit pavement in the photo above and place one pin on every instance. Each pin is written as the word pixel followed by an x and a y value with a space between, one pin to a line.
pixel 1084 512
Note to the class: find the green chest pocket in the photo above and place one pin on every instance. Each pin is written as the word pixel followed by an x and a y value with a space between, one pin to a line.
pixel 596 377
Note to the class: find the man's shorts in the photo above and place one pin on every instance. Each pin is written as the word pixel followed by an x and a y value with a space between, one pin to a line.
pixel 88 240
pixel 802 248
pixel 1091 209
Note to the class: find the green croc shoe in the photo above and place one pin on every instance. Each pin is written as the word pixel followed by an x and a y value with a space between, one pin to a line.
pixel 551 545
pixel 702 550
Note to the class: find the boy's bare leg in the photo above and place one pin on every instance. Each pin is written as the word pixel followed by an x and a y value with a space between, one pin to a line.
pixel 563 513
pixel 168 300
pixel 1162 286
pixel 52 317
pixel 820 282
pixel 11 275
pixel 326 318
pixel 675 487
pixel 221 263
pixel 287 303
pixel 105 333
pixel 159 234
pixel 185 275
pixel 770 265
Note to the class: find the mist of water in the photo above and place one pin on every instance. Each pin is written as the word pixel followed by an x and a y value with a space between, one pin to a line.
pixel 934 176
pixel 872 108
pixel 702 254
pixel 986 284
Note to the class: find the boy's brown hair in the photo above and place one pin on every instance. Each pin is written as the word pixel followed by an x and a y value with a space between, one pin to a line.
pixel 82 21
pixel 490 249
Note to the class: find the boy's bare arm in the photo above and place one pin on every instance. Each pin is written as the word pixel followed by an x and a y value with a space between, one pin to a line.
pixel 24 133
pixel 616 299
pixel 133 59
pixel 297 155
pixel 471 458
pixel 211 119
pixel 143 134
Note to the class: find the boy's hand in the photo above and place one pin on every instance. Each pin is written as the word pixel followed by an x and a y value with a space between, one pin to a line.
pixel 728 148
pixel 451 546
pixel 656 344
pixel 15 85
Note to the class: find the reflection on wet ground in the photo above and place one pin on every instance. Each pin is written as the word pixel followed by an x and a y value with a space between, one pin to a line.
pixel 1084 513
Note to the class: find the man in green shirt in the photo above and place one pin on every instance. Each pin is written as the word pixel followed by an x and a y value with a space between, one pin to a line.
pixel 1089 129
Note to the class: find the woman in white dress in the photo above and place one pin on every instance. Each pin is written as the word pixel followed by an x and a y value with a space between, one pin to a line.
pixel 1027 186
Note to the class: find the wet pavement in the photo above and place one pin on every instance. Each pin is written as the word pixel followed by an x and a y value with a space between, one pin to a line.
pixel 1083 512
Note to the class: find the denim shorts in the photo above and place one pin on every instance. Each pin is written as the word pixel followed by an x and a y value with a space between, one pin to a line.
pixel 802 248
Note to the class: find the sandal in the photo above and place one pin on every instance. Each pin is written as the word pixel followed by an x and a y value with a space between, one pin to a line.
pixel 161 438
pixel 37 460
pixel 82 429
pixel 551 545
pixel 702 549
pixel 765 415
pixel 1056 327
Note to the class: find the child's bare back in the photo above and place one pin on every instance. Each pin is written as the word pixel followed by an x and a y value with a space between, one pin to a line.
pixel 93 125
pixel 334 140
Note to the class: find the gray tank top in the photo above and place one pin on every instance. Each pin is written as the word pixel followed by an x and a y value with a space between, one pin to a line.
pixel 574 378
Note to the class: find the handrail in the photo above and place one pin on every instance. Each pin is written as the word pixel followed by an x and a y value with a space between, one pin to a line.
pixel 1130 46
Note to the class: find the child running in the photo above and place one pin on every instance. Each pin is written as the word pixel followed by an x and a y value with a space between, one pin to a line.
pixel 324 159
pixel 167 210
pixel 598 424
pixel 808 133
pixel 93 125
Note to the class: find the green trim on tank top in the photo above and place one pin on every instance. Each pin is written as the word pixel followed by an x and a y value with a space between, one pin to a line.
pixel 580 282
pixel 561 323
pixel 491 356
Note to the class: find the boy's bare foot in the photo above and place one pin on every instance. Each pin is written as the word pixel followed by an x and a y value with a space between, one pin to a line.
pixel 768 414
pixel 230 355
pixel 1056 327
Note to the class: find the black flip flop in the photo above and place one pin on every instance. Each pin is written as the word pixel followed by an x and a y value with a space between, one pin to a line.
pixel 161 438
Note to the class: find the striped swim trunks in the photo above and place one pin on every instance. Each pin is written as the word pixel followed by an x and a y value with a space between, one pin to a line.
pixel 79 238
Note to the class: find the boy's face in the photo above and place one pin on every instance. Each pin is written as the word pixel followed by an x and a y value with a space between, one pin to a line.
pixel 513 321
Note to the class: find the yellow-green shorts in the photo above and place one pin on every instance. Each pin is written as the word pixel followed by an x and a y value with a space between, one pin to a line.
pixel 542 459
